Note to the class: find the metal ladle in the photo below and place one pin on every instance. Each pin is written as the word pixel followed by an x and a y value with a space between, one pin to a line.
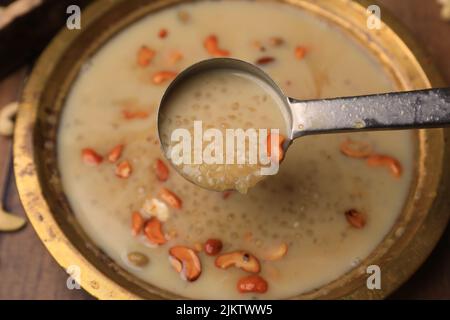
pixel 389 111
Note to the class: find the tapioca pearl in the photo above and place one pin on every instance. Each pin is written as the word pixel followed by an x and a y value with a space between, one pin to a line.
pixel 234 235
pixel 283 224
pixel 198 94
pixel 309 232
pixel 198 231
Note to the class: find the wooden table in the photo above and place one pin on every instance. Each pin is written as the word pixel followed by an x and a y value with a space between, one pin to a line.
pixel 27 271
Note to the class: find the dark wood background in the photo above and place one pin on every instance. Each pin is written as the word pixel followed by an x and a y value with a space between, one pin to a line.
pixel 27 271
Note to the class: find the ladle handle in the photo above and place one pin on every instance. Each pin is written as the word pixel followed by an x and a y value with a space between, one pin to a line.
pixel 403 110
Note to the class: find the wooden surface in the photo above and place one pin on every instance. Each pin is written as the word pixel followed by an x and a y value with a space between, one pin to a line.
pixel 27 271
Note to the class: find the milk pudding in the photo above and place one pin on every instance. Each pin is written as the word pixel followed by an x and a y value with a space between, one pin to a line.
pixel 332 202
pixel 219 103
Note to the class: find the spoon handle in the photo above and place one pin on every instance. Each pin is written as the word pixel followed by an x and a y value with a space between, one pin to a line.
pixel 401 110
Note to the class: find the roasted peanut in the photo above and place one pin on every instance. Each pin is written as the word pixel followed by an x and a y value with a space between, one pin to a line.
pixel 137 223
pixel 123 169
pixel 253 283
pixel 213 247
pixel 170 198
pixel 265 60
pixel 145 56
pixel 91 157
pixel 226 194
pixel 174 57
pixel 300 52
pixel 163 76
pixel 162 33
pixel 162 171
pixel 355 218
pixel 115 153
pixel 130 115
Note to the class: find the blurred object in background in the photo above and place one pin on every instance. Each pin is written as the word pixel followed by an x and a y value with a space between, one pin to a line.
pixel 445 10
pixel 16 9
pixel 27 26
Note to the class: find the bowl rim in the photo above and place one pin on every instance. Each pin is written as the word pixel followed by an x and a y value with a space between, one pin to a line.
pixel 99 284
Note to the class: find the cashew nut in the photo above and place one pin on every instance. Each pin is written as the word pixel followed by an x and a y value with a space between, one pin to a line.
pixel 7 114
pixel 445 10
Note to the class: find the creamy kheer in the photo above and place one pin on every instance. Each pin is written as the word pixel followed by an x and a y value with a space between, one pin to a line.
pixel 228 109
pixel 332 202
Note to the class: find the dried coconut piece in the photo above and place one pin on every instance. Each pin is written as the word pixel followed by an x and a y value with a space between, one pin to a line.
pixel 155 208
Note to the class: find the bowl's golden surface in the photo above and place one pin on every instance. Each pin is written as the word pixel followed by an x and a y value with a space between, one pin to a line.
pixel 403 250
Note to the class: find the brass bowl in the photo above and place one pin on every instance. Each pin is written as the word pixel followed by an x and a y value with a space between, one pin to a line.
pixel 403 250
